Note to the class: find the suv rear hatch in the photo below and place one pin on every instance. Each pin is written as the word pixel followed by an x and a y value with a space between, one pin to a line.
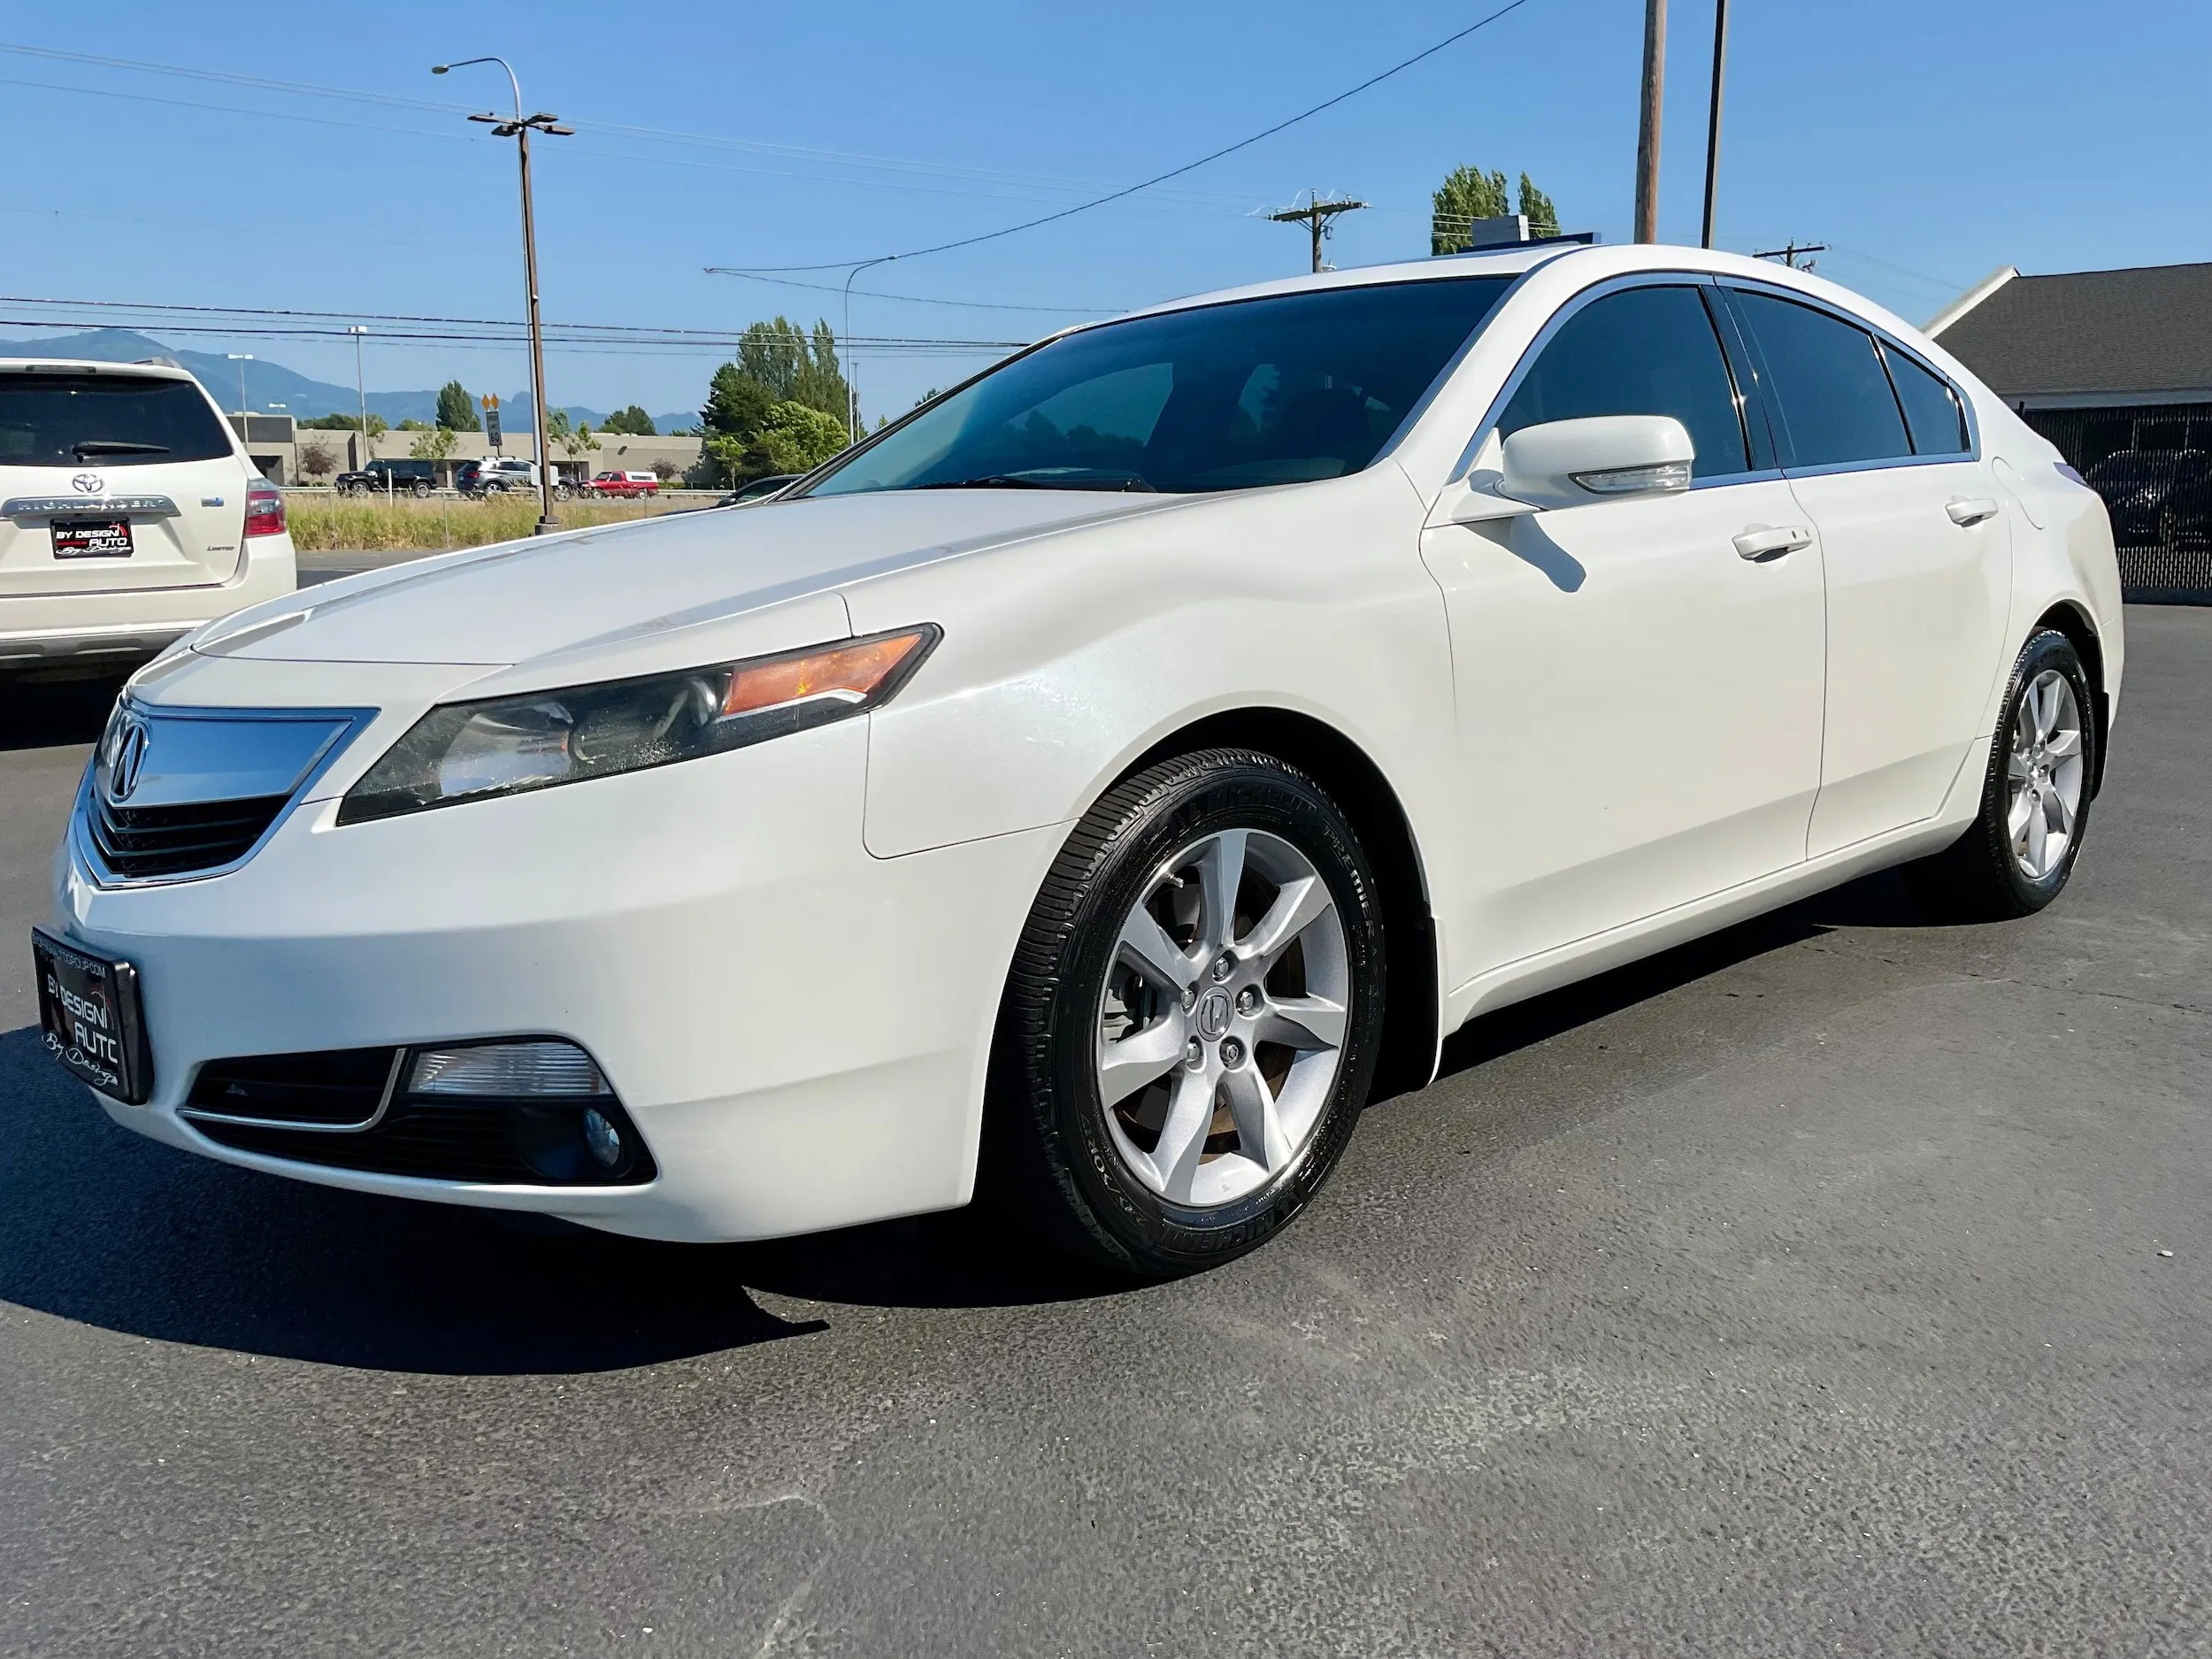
pixel 114 479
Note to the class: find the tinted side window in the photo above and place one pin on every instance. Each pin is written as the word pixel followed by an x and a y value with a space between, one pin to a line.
pixel 1643 351
pixel 1931 408
pixel 1835 399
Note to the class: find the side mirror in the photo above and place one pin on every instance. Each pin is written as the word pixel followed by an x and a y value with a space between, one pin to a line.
pixel 1573 463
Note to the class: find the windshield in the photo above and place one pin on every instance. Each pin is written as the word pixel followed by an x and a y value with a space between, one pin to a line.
pixel 107 420
pixel 1232 396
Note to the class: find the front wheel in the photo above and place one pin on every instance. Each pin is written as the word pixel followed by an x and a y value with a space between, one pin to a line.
pixel 1193 1017
pixel 2020 850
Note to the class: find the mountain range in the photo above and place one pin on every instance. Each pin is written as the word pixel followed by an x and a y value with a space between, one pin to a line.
pixel 271 382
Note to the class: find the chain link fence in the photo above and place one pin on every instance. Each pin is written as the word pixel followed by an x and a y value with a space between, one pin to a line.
pixel 2152 465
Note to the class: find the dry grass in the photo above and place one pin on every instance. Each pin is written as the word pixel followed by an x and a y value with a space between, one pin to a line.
pixel 324 524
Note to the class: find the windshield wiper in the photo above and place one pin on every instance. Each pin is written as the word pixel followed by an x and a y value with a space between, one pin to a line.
pixel 1119 481
pixel 114 446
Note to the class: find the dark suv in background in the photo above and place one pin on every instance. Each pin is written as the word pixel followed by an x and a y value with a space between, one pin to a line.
pixel 398 478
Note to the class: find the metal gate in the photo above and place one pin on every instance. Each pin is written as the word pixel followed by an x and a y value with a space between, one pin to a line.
pixel 2152 464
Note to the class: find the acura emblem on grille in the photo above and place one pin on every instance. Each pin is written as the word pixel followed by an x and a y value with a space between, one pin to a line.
pixel 88 483
pixel 127 759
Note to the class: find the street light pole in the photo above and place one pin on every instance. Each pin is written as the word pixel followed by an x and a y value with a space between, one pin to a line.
pixel 360 390
pixel 845 352
pixel 1712 124
pixel 242 359
pixel 518 128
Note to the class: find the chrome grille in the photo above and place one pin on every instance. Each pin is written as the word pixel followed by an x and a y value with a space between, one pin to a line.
pixel 136 842
pixel 174 794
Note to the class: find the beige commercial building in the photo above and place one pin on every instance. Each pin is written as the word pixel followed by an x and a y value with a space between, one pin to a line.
pixel 283 451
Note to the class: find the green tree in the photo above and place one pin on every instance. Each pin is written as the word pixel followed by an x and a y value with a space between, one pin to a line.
pixel 1543 217
pixel 412 424
pixel 737 404
pixel 456 409
pixel 795 366
pixel 1466 195
pixel 575 438
pixel 633 422
pixel 435 444
pixel 798 437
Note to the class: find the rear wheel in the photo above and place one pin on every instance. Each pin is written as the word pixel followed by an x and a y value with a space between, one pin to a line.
pixel 1193 1017
pixel 421 491
pixel 2020 851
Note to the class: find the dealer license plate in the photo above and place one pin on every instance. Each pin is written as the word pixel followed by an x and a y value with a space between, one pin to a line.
pixel 92 538
pixel 89 1012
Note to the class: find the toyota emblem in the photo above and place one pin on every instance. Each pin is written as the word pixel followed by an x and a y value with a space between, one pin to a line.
pixel 88 483
pixel 127 757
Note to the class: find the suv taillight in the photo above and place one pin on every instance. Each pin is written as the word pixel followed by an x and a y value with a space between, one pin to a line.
pixel 264 509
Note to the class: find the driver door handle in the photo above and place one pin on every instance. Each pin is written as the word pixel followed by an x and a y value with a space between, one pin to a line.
pixel 1966 512
pixel 1761 541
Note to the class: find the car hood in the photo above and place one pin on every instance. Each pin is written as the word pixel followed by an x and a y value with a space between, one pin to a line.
pixel 576 598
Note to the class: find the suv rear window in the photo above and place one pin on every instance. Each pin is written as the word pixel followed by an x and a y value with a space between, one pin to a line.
pixel 105 420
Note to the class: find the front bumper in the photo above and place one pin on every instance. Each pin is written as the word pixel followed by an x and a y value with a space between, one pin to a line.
pixel 799 1030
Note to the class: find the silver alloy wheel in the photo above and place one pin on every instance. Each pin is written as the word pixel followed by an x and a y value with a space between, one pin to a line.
pixel 1222 1022
pixel 2044 775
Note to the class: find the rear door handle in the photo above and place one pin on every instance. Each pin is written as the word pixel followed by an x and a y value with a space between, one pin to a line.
pixel 1966 512
pixel 1765 542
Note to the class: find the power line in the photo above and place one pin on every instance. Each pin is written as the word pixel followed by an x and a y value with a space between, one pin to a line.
pixel 703 335
pixel 1172 173
pixel 922 299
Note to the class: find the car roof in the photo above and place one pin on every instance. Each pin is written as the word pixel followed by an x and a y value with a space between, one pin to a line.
pixel 88 365
pixel 1601 259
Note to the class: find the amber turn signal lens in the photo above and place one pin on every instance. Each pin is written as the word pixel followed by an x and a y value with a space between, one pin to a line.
pixel 849 672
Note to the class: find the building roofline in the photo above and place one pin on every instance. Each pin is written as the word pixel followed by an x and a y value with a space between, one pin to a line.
pixel 1969 300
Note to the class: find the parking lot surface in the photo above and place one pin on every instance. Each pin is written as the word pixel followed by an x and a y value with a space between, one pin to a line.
pixel 1837 1285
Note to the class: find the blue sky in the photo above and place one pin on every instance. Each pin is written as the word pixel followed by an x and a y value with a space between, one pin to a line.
pixel 1928 142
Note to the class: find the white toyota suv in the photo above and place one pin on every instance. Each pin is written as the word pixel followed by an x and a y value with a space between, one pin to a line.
pixel 129 515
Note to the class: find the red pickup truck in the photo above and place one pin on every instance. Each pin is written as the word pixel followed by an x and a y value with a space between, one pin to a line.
pixel 626 484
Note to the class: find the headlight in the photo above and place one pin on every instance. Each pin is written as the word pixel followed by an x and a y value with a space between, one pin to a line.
pixel 469 751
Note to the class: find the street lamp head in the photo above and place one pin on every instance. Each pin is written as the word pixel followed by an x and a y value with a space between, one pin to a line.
pixel 440 69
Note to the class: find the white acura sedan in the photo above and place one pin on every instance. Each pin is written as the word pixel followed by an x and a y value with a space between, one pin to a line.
pixel 1096 785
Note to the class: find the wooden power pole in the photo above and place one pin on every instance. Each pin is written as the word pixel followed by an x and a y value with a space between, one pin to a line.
pixel 1647 127
pixel 1315 216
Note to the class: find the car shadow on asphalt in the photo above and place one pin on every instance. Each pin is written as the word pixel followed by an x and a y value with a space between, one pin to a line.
pixel 43 714
pixel 102 1226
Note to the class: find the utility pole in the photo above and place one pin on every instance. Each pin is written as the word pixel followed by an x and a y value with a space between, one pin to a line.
pixel 1712 123
pixel 1315 216
pixel 361 391
pixel 1647 126
pixel 1788 255
pixel 518 128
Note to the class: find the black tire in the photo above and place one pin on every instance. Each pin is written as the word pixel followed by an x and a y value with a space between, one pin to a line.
pixel 1049 1155
pixel 421 491
pixel 1977 877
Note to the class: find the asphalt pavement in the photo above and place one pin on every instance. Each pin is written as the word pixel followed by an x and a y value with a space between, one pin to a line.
pixel 1837 1285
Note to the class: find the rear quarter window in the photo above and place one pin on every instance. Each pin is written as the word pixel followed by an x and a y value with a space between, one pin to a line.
pixel 105 420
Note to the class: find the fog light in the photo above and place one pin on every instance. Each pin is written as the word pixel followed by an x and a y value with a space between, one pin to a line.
pixel 602 1138
pixel 541 1066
